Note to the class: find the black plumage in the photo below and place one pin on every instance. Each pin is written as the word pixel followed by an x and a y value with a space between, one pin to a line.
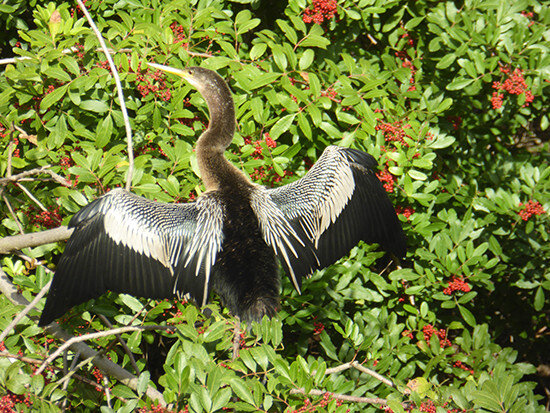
pixel 234 236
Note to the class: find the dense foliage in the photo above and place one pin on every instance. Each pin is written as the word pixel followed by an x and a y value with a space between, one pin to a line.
pixel 450 97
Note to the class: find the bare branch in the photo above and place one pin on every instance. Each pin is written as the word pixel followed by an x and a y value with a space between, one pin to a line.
pixel 103 363
pixel 73 49
pixel 122 343
pixel 44 169
pixel 236 338
pixel 120 94
pixel 6 200
pixel 34 239
pixel 372 373
pixel 25 311
pixel 362 369
pixel 344 397
pixel 99 334
pixel 31 196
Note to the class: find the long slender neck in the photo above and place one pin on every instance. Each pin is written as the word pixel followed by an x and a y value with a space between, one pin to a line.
pixel 216 171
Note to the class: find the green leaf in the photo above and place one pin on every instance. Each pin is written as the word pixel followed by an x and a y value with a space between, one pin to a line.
pixel 443 106
pixel 59 133
pixel 143 382
pixel 467 316
pixel 446 61
pixel 417 175
pixel 459 83
pixel 538 304
pixel 282 125
pixel 94 106
pixel 279 57
pixel 104 132
pixel 53 97
pixel 306 59
pixel 242 390
pixel 257 50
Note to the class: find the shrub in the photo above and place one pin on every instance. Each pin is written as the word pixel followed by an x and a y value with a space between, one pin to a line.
pixel 451 101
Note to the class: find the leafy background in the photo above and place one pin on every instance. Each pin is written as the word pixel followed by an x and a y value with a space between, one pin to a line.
pixel 450 97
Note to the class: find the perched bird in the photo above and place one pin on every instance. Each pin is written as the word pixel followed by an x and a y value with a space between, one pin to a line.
pixel 234 236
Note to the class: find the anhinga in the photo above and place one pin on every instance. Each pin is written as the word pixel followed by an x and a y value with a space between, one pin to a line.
pixel 234 236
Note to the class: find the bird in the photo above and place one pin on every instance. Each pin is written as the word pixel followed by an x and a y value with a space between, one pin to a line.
pixel 232 239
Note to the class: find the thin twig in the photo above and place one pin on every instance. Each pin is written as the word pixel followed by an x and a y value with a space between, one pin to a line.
pixel 43 169
pixel 120 94
pixel 338 396
pixel 372 373
pixel 7 201
pixel 122 343
pixel 29 360
pixel 25 311
pixel 34 239
pixel 73 49
pixel 32 197
pixel 339 368
pixel 236 339
pixel 107 390
pixel 104 364
pixel 197 54
pixel 99 334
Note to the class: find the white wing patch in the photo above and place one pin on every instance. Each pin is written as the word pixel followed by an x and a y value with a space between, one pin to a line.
pixel 134 235
pixel 276 230
pixel 206 240
pixel 337 193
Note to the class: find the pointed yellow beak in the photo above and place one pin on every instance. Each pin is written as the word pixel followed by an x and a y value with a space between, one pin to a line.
pixel 178 72
pixel 184 73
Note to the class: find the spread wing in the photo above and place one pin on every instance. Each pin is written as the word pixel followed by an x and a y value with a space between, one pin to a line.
pixel 129 244
pixel 339 202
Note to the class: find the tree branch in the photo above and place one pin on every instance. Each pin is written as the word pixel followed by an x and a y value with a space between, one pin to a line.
pixel 120 94
pixel 122 343
pixel 343 397
pixel 103 363
pixel 34 239
pixel 25 311
pixel 43 169
pixel 90 336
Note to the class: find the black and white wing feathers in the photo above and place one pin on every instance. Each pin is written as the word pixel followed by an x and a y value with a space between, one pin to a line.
pixel 339 202
pixel 129 244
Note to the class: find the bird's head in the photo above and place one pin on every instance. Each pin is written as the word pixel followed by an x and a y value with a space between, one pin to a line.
pixel 208 83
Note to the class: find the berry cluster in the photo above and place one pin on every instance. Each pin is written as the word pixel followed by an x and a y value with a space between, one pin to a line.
pixel 529 15
pixel 313 407
pixel 261 173
pixel 529 209
pixel 514 85
pixel 428 407
pixel 429 331
pixel 405 211
pixel 65 162
pixel 9 402
pixel 393 132
pixel 319 327
pixel 154 83
pixel 456 284
pixel 322 10
pixel 16 152
pixel 179 33
pixel 387 178
pixel 48 219
pixel 463 366
pixel 456 121
pixel 77 9
pixel 331 94
pixel 98 375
